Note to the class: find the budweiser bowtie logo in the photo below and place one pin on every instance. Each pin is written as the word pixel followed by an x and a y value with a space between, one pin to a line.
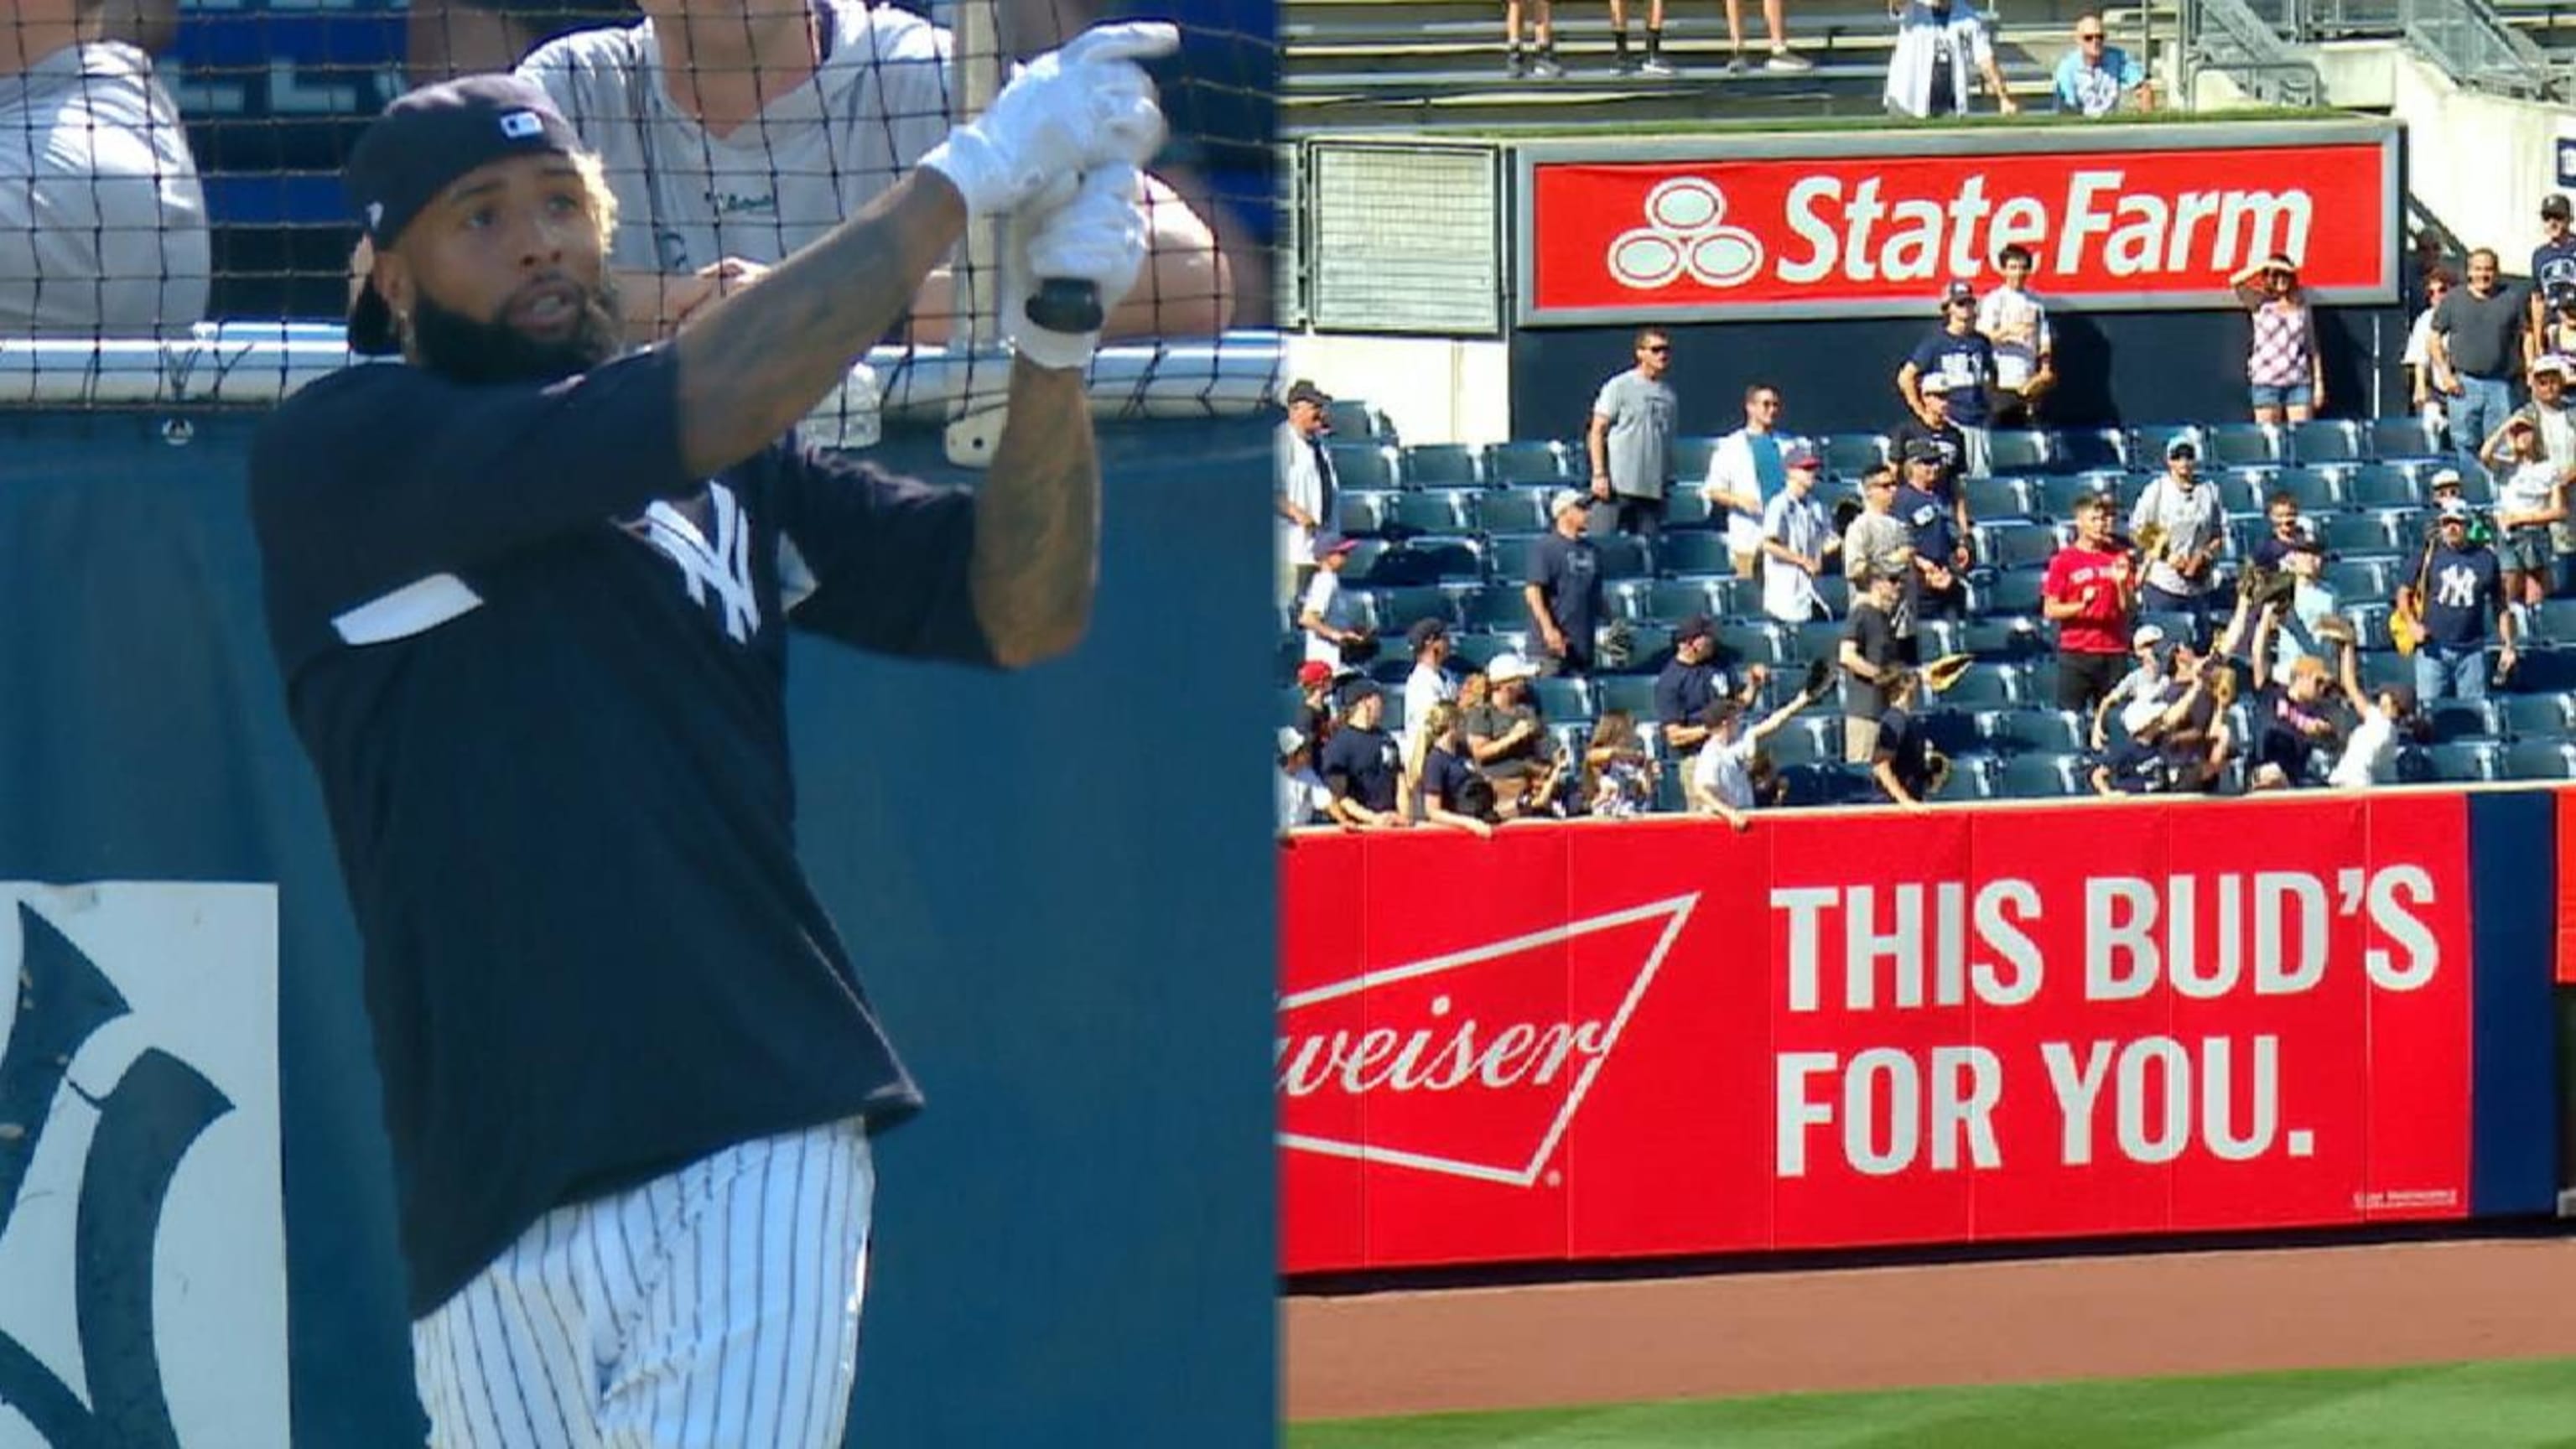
pixel 1470 1064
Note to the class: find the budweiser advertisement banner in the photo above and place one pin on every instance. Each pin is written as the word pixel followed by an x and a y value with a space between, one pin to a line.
pixel 1667 1038
pixel 1852 225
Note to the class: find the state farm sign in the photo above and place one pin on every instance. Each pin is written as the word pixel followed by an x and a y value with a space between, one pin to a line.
pixel 1877 227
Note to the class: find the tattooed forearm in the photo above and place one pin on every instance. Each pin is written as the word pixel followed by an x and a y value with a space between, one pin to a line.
pixel 1037 521
pixel 756 365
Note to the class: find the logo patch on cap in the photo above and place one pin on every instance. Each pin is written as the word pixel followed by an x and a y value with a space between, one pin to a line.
pixel 375 215
pixel 520 125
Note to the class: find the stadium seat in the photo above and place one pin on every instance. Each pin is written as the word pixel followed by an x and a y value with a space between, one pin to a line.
pixel 1806 786
pixel 1796 743
pixel 1475 651
pixel 1510 510
pixel 2012 593
pixel 2376 485
pixel 1441 465
pixel 2039 681
pixel 1849 455
pixel 2329 440
pixel 1985 686
pixel 1733 598
pixel 2317 491
pixel 1997 498
pixel 1649 646
pixel 2003 637
pixel 1349 420
pixel 2467 762
pixel 1392 611
pixel 1634 693
pixel 1361 513
pixel 2082 450
pixel 1688 508
pixel 1438 511
pixel 1446 560
pixel 1361 568
pixel 1694 554
pixel 2466 719
pixel 1936 637
pixel 1562 701
pixel 1835 590
pixel 2015 545
pixel 2039 777
pixel 1363 465
pixel 1815 639
pixel 2348 535
pixel 1496 607
pixel 1690 462
pixel 2402 437
pixel 2476 485
pixel 2369 624
pixel 2557 620
pixel 2242 491
pixel 2055 498
pixel 2540 760
pixel 2536 716
pixel 1739 644
pixel 2359 580
pixel 2011 731
pixel 1668 601
pixel 2232 444
pixel 2379 671
pixel 1623 558
pixel 1511 553
pixel 1525 462
pixel 2017 450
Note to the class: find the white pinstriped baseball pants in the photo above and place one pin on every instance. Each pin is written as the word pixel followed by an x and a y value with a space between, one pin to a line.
pixel 715 1307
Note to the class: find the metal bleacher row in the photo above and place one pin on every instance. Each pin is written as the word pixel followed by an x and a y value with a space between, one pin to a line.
pixel 1445 529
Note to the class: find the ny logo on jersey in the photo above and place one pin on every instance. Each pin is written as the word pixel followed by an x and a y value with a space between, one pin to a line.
pixel 714 558
pixel 2457 588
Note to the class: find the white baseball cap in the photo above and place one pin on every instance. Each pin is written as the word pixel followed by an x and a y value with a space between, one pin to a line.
pixel 1504 668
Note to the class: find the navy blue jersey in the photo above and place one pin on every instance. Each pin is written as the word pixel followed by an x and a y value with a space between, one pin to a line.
pixel 1935 526
pixel 1968 361
pixel 1444 776
pixel 2460 592
pixel 1568 574
pixel 1361 765
pixel 540 673
pixel 1683 692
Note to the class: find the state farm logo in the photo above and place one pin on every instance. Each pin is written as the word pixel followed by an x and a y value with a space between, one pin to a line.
pixel 1470 1064
pixel 1685 233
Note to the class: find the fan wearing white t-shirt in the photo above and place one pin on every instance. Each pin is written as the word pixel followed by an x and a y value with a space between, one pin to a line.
pixel 2372 746
pixel 2017 324
pixel 1797 539
pixel 1721 776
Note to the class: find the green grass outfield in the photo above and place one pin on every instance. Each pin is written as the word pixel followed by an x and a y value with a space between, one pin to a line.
pixel 2516 1405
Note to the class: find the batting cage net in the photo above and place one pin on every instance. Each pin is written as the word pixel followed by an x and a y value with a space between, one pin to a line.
pixel 173 232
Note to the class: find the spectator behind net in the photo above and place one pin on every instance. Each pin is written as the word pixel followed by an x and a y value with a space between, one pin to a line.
pixel 102 219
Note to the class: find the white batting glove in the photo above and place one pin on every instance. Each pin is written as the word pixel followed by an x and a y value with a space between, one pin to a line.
pixel 1098 237
pixel 1087 105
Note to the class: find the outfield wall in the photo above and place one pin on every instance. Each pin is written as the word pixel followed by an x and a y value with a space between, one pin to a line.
pixel 1073 1243
pixel 1848 1029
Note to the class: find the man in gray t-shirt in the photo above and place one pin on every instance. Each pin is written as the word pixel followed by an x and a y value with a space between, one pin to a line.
pixel 1877 543
pixel 2476 353
pixel 102 219
pixel 1632 441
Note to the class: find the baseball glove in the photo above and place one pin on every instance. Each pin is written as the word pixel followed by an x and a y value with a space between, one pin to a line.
pixel 2337 630
pixel 1947 670
pixel 1936 772
pixel 2150 540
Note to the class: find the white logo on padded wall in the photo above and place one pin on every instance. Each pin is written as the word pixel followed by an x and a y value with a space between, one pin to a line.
pixel 1454 1052
pixel 520 125
pixel 142 1225
pixel 1685 234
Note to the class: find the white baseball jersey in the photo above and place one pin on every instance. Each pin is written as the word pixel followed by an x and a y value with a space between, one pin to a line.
pixel 711 1308
pixel 687 198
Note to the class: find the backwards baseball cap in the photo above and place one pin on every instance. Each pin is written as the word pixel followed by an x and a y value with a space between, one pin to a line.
pixel 2445 478
pixel 1565 498
pixel 418 147
pixel 1314 672
pixel 2183 445
pixel 1924 450
pixel 1697 626
pixel 2557 362
pixel 1329 544
pixel 1505 668
pixel 2556 207
pixel 1961 290
pixel 1424 631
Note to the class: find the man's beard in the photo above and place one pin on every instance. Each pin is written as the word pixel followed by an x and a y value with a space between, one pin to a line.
pixel 490 352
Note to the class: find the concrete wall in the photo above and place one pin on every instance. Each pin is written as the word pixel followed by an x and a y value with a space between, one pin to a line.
pixel 1437 390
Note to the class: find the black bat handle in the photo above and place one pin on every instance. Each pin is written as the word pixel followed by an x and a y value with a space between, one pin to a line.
pixel 1066 304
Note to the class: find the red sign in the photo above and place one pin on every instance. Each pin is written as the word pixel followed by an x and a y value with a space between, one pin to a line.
pixel 1882 233
pixel 1666 1038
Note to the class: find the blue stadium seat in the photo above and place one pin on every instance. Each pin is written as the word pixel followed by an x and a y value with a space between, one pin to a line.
pixel 1447 560
pixel 2369 624
pixel 2466 719
pixel 2466 762
pixel 2379 671
pixel 2529 716
pixel 2230 444
pixel 2329 440
pixel 1475 651
pixel 2540 760
pixel 2039 728
pixel 1734 598
pixel 1690 461
pixel 2040 777
pixel 1805 740
pixel 1511 553
pixel 1849 455
pixel 2015 545
pixel 2055 498
pixel 2348 535
pixel 1936 637
pixel 1815 639
pixel 2012 593
pixel 1525 462
pixel 2316 490
pixel 2557 620
pixel 1649 645
pixel 1510 510
pixel 1835 590
pixel 1994 498
pixel 1623 558
pixel 2476 484
pixel 1634 693
pixel 2082 450
pixel 2360 580
pixel 1392 611
pixel 1364 465
pixel 1350 420
pixel 1821 784
pixel 2017 450
pixel 1751 643
pixel 1361 512
pixel 2242 490
pixel 1562 700
pixel 2004 637
pixel 2039 681
pixel 1985 686
pixel 1441 465
pixel 1361 569
pixel 1437 511
pixel 1668 601
pixel 1496 607
pixel 1694 554
pixel 2376 485
pixel 1972 777
pixel 2403 437
pixel 1951 731
pixel 1687 508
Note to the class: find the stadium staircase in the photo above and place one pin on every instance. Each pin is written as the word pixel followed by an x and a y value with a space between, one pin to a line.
pixel 1446 529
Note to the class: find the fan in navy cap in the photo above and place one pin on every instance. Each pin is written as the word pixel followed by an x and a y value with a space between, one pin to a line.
pixel 530 600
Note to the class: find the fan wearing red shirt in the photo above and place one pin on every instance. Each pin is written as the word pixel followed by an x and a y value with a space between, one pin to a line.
pixel 2090 594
